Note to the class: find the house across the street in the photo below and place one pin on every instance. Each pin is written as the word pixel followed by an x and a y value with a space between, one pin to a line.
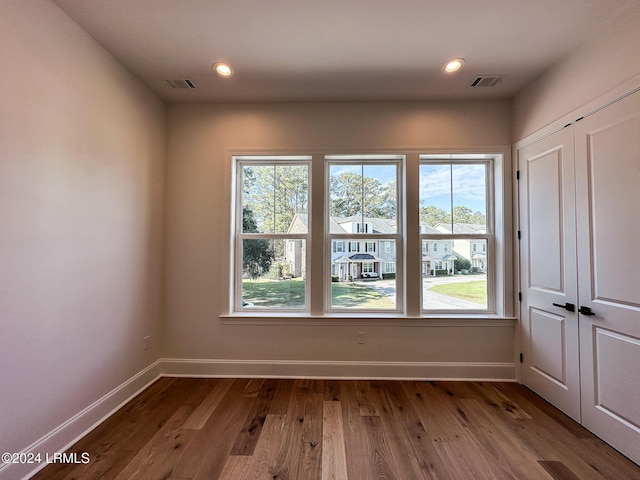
pixel 361 257
pixel 473 249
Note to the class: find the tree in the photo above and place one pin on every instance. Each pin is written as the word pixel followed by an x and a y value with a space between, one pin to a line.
pixel 275 194
pixel 462 214
pixel 257 254
pixel 388 200
pixel 352 195
pixel 433 215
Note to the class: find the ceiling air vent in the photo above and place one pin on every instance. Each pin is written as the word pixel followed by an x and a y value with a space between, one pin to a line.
pixel 180 83
pixel 487 80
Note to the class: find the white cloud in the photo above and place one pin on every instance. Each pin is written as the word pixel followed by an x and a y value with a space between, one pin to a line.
pixel 468 185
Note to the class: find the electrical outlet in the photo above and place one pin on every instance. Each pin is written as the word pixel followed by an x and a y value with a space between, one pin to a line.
pixel 147 341
pixel 362 339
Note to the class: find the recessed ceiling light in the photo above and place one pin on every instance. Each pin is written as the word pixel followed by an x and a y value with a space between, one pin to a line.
pixel 223 69
pixel 453 65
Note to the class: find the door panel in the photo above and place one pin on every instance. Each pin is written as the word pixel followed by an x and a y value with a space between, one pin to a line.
pixel 548 352
pixel 612 158
pixel 548 271
pixel 608 242
pixel 545 209
pixel 616 358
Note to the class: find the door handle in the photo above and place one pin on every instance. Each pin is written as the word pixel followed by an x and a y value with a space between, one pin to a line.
pixel 586 311
pixel 569 307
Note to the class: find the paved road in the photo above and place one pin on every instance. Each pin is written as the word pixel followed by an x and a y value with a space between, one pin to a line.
pixel 433 300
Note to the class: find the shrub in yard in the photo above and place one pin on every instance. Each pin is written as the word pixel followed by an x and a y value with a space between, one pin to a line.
pixel 462 264
pixel 279 270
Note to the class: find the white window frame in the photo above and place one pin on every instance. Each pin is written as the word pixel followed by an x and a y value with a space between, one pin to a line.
pixel 489 236
pixel 397 160
pixel 241 161
pixel 501 296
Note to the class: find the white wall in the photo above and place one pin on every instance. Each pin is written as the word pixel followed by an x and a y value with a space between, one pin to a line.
pixel 609 59
pixel 198 231
pixel 81 221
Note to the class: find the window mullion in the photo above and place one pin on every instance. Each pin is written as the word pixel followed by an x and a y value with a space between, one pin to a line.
pixel 316 249
pixel 412 252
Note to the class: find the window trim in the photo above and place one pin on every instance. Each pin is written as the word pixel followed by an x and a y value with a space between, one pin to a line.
pixel 504 195
pixel 241 161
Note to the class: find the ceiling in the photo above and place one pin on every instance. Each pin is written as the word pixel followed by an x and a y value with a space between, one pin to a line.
pixel 342 50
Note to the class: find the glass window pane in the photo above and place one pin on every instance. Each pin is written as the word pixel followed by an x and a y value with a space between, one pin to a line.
pixel 363 198
pixel 454 274
pixel 274 273
pixel 435 198
pixel 469 198
pixel 380 193
pixel 364 280
pixel 274 198
pixel 453 198
pixel 345 197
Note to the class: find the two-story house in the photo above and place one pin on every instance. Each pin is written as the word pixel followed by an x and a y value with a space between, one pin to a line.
pixel 437 255
pixel 351 258
pixel 473 249
pixel 362 257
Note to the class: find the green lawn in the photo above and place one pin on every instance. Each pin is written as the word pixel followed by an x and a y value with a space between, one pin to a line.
pixel 274 293
pixel 358 295
pixel 474 291
pixel 290 294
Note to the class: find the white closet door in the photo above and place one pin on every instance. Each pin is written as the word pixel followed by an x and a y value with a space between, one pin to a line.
pixel 608 227
pixel 550 342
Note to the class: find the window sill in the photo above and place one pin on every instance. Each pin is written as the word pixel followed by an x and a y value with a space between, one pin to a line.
pixel 345 319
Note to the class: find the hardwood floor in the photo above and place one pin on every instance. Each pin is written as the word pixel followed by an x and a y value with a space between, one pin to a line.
pixel 236 429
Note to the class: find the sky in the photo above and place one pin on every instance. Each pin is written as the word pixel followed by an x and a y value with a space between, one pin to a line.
pixel 469 183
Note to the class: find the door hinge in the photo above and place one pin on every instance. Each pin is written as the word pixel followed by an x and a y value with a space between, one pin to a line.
pixel 517 174
pixel 519 235
pixel 521 358
pixel 519 296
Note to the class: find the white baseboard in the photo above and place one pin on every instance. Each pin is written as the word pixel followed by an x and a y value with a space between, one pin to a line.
pixel 177 367
pixel 65 435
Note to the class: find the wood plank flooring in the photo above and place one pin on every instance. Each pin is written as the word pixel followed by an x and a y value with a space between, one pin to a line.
pixel 237 429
